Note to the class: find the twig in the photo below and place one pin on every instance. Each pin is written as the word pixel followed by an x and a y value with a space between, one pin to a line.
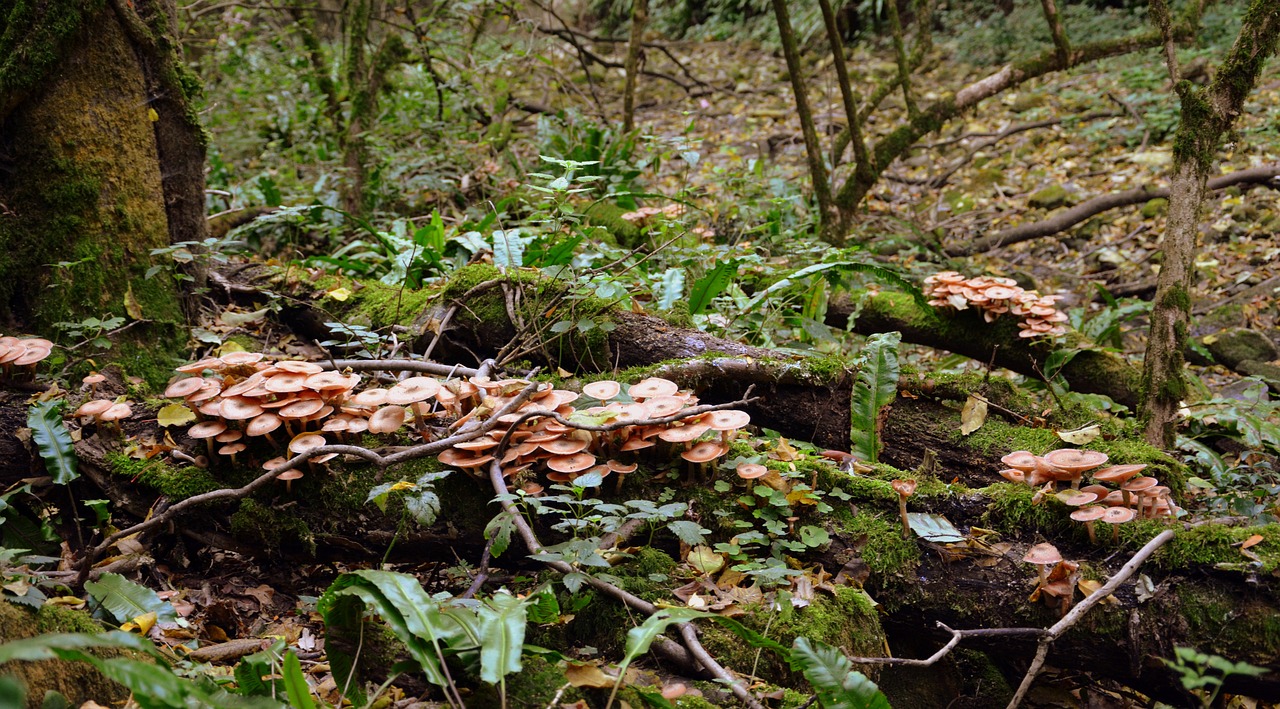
pixel 400 365
pixel 482 574
pixel 1083 607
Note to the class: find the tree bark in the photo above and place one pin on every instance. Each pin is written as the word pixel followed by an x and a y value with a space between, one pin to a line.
pixel 635 58
pixel 1206 116
pixel 103 161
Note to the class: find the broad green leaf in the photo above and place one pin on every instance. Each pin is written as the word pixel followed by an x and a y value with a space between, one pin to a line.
pixel 295 683
pixel 499 530
pixel 705 289
pixel 502 624
pixel 934 528
pixel 833 679
pixel 876 387
pixel 640 639
pixel 508 248
pixel 880 272
pixel 690 533
pixel 53 440
pixel 49 647
pixel 126 600
pixel 671 288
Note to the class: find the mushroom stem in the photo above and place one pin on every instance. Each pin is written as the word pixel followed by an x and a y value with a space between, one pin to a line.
pixel 1093 538
pixel 902 512
pixel 1115 534
pixel 1043 578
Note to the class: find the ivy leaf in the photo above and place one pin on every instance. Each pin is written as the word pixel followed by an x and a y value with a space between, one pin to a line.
pixel 53 440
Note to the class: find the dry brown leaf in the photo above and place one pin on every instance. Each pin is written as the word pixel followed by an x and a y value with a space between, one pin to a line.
pixel 973 415
pixel 1251 541
pixel 587 675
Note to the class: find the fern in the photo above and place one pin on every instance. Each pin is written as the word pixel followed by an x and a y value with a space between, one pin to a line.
pixel 834 681
pixel 53 440
pixel 876 387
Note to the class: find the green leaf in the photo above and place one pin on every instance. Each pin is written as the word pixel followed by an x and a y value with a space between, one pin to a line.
pixel 639 639
pixel 671 288
pixel 705 289
pixel 508 248
pixel 53 440
pixel 52 647
pixel 690 533
pixel 126 600
pixel 502 625
pixel 543 607
pixel 295 684
pixel 876 387
pixel 499 530
pixel 835 682
pixel 934 528
pixel 879 272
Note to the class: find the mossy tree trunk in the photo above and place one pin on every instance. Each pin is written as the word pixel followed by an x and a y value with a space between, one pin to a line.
pixel 101 161
pixel 1207 114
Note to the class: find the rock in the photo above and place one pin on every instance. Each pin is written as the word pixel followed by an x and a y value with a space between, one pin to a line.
pixel 1051 197
pixel 1268 372
pixel 1231 347
pixel 1155 207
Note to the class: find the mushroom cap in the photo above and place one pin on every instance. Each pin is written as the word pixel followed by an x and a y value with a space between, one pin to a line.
pixel 1118 515
pixel 207 429
pixel 1140 484
pixel 370 397
pixel 1026 461
pixel 94 378
pixel 1100 490
pixel 1089 513
pixel 1117 474
pixel 262 424
pixel 304 442
pixel 705 452
pixel 531 488
pixel 751 471
pixel 290 474
pixel 683 434
pixel 1075 460
pixel 94 407
pixel 635 444
pixel 209 388
pixel 621 468
pixel 300 409
pixel 904 488
pixel 413 389
pixel 571 463
pixel 564 446
pixel 603 390
pixel 1076 498
pixel 1042 555
pixel 274 463
pixel 462 459
pixel 651 387
pixel 294 366
pixel 235 359
pixel 200 366
pixel 239 408
pixel 1013 475
pixel 245 385
pixel 286 382
pixel 117 412
pixel 387 419
pixel 330 381
pixel 727 420
pixel 231 449
pixel 659 406
pixel 32 355
pixel 231 435
pixel 358 425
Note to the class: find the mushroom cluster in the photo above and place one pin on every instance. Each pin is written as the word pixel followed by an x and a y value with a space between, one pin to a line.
pixel 564 453
pixel 645 215
pixel 997 296
pixel 19 356
pixel 1055 586
pixel 105 412
pixel 1136 496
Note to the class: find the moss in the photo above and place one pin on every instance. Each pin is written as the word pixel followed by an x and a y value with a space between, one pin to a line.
pixel 33 37
pixel 79 682
pixel 1010 509
pixel 535 685
pixel 57 619
pixel 1225 624
pixel 174 483
pixel 377 303
pixel 269 528
pixel 609 216
pixel 1211 545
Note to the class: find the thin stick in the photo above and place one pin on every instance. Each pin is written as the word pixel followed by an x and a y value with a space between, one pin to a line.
pixel 1071 618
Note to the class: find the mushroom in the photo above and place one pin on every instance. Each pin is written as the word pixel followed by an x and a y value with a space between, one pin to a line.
pixel 751 471
pixel 184 387
pixel 288 477
pixel 727 422
pixel 573 463
pixel 905 489
pixel 1089 514
pixel 92 381
pixel 115 414
pixel 1075 462
pixel 621 470
pixel 704 453
pixel 231 449
pixel 652 387
pixel 387 419
pixel 262 425
pixel 660 406
pixel 207 430
pixel 1042 555
pixel 1117 474
pixel 603 390
pixel 1137 485
pixel 1116 516
pixel 93 409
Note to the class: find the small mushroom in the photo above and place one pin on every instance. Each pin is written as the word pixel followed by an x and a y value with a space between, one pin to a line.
pixel 751 471
pixel 92 381
pixel 1137 485
pixel 1089 514
pixel 207 430
pixel 387 419
pixel 704 453
pixel 1116 516
pixel 1075 462
pixel 905 489
pixel 602 390
pixel 1042 555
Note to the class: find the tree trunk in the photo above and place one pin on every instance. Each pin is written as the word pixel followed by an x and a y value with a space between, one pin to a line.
pixel 103 162
pixel 635 60
pixel 1206 116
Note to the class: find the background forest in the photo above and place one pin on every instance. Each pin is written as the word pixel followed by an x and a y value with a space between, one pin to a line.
pixel 665 353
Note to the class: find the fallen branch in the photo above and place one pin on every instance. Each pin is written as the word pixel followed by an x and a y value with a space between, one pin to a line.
pixel 941 179
pixel 1083 607
pixel 1070 217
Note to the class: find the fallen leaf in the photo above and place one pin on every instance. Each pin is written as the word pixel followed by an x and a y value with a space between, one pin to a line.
pixel 174 415
pixel 131 305
pixel 973 415
pixel 142 623
pixel 1089 586
pixel 1251 541
pixel 339 294
pixel 704 560
pixel 1081 436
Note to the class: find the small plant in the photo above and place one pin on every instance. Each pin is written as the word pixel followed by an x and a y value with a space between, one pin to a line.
pixel 1203 675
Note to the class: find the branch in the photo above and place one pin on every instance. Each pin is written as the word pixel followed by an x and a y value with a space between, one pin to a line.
pixel 1055 28
pixel 1083 607
pixel 992 139
pixel 1070 217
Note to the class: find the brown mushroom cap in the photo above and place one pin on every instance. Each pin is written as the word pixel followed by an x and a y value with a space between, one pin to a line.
pixel 239 408
pixel 1075 460
pixel 370 397
pixel 329 381
pixel 1118 515
pixel 705 452
pixel 1026 461
pixel 117 412
pixel 683 434
pixel 462 459
pixel 413 389
pixel 1117 474
pixel 904 488
pixel 286 382
pixel 290 474
pixel 230 435
pixel 1076 498
pixel 245 385
pixel 603 390
pixel 564 446
pixel 651 387
pixel 235 359
pixel 94 378
pixel 1013 475
pixel 298 367
pixel 32 355
pixel 660 406
pixel 1140 484
pixel 621 468
pixel 209 388
pixel 231 449
pixel 387 419
pixel 304 442
pixel 635 444
pixel 571 463
pixel 274 463
pixel 1089 513
pixel 200 366
pixel 262 424
pixel 300 409
pixel 94 407
pixel 1043 555
pixel 207 429
pixel 751 471
pixel 727 420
